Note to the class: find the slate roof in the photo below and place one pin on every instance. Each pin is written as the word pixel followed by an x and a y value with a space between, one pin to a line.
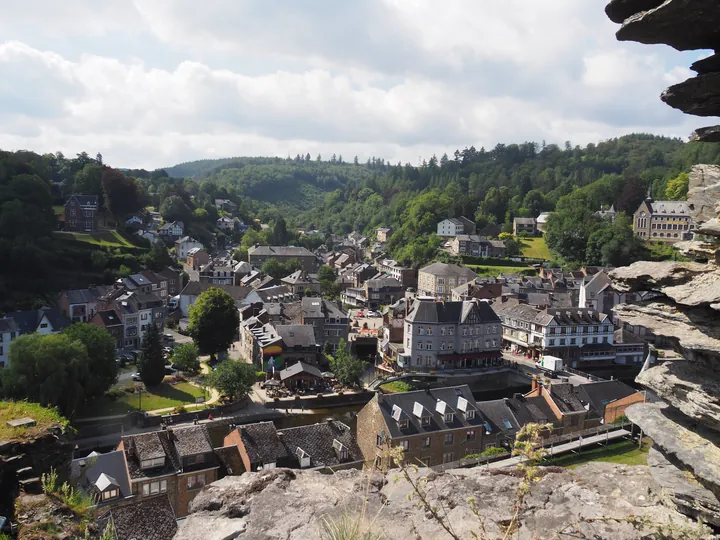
pixel 440 269
pixel 7 325
pixel 111 464
pixel 524 220
pixel 669 207
pixel 275 292
pixel 430 311
pixel 83 296
pixel 191 441
pixel 384 282
pixel 531 410
pixel 300 367
pixel 148 446
pixel 149 519
pixel 317 441
pixel 565 398
pixel 300 276
pixel 28 321
pixel 229 459
pixel 262 443
pixel 312 307
pixel 110 318
pixel 282 251
pixel 85 201
pixel 294 335
pixel 599 394
pixel 500 416
pixel 428 399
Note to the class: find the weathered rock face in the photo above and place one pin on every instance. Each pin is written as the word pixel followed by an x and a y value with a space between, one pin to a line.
pixel 598 500
pixel 684 25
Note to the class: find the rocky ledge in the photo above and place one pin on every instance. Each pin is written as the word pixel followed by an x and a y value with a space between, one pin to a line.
pixel 597 500
pixel 684 25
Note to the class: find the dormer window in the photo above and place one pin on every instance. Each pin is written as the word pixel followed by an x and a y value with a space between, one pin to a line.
pixel 425 421
pixel 403 424
pixel 470 415
pixel 196 459
pixel 449 418
pixel 152 463
pixel 110 494
pixel 487 427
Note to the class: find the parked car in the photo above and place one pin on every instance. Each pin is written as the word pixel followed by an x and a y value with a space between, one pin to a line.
pixel 169 370
pixel 167 350
pixel 136 377
pixel 168 337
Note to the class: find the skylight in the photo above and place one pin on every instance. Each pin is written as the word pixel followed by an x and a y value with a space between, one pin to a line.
pixel 507 423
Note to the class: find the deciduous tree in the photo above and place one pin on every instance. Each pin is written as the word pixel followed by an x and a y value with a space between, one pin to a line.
pixel 233 379
pixel 214 321
pixel 185 356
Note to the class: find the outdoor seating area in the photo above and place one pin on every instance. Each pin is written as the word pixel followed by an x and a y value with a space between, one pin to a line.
pixel 301 379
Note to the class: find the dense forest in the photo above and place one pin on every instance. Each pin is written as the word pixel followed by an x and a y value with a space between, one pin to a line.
pixel 335 196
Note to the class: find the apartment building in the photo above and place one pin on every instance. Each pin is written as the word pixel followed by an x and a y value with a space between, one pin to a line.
pixel 330 323
pixel 476 246
pixel 439 279
pixel 257 255
pixel 451 335
pixel 455 226
pixel 577 335
pixel 663 221
pixel 406 276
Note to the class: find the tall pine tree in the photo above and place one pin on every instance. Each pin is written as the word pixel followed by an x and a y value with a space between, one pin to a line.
pixel 151 365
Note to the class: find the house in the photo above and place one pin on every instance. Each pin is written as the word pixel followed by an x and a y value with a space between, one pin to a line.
pixel 482 288
pixel 138 310
pixel 135 222
pixel 451 335
pixel 152 519
pixel 406 276
pixel 176 463
pixel 226 224
pixel 437 426
pixel 663 221
pixel 174 280
pixel 330 323
pixel 172 231
pixel 598 293
pixel 189 295
pixel 383 234
pixel 356 275
pixel 261 344
pixel 43 321
pixel 610 214
pixel 271 294
pixel 524 225
pixel 477 246
pixel 103 477
pixel 577 335
pixel 112 322
pixel 301 375
pixel 300 282
pixel 8 332
pixel 630 349
pixel 257 256
pixel 439 279
pixel 570 414
pixel 298 344
pixel 184 245
pixel 326 446
pixel 79 305
pixel 345 259
pixel 82 213
pixel 151 236
pixel 542 220
pixel 608 399
pixel 225 205
pixel 454 226
pixel 216 274
pixel 198 257
pixel 392 337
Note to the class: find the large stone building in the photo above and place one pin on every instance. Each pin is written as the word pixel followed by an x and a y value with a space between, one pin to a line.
pixel 439 279
pixel 663 221
pixel 330 323
pixel 451 335
pixel 257 256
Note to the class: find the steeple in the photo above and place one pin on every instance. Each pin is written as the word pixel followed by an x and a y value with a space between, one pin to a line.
pixel 649 197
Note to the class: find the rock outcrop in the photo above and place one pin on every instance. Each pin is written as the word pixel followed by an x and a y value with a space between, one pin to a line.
pixel 684 25
pixel 597 500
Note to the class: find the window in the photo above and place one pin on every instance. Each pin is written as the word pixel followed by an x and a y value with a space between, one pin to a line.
pixel 44 325
pixel 144 317
pixel 378 440
pixel 451 331
pixel 470 414
pixel 552 342
pixel 507 423
pixel 448 458
pixel 471 435
pixel 425 442
pixel 449 417
pixel 199 458
pixel 405 445
pixel 573 341
pixel 449 438
pixel 109 494
pixel 150 463
pixel 442 346
pixel 421 331
pixel 196 481
pixel 153 488
pixel 429 331
pixel 403 424
pixel 562 341
pixel 442 331
pixel 425 421
pixel 420 345
pixel 465 331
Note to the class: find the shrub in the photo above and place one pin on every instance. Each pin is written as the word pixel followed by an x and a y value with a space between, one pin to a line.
pixel 115 394
pixel 180 409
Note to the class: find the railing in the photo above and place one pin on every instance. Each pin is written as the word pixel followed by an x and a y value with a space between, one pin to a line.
pixel 594 378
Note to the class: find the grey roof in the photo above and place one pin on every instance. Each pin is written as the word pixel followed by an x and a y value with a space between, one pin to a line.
pixel 191 441
pixel 430 311
pixel 281 251
pixel 428 399
pixel 262 443
pixel 105 481
pixel 563 316
pixel 83 296
pixel 293 335
pixel 300 367
pixel 317 440
pixel 499 415
pixel 148 519
pixel 300 276
pixel 195 288
pixel 524 221
pixel 110 317
pixel 86 201
pixel 28 321
pixel 110 464
pixel 7 325
pixel 385 282
pixel 531 410
pixel 312 307
pixel 669 207
pixel 599 394
pixel 564 397
pixel 275 292
pixel 448 270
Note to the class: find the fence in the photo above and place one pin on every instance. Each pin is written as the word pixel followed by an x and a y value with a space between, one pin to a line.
pixel 593 378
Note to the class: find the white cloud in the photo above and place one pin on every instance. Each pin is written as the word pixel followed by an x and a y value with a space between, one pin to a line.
pixel 390 78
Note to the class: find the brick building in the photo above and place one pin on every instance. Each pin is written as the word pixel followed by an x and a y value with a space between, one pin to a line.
pixel 82 213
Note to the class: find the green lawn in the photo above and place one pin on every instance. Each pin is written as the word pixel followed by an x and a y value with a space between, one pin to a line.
pixel 397 386
pixel 622 452
pixel 483 271
pixel 101 238
pixel 161 397
pixel 14 410
pixel 535 248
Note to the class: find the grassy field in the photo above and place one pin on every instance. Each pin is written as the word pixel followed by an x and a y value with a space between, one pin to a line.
pixel 535 248
pixel 483 271
pixel 100 238
pixel 161 397
pixel 622 452
pixel 13 410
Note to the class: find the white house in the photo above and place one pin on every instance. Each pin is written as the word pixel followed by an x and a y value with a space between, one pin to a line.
pixel 455 226
pixel 184 245
pixel 225 223
pixel 8 332
pixel 174 229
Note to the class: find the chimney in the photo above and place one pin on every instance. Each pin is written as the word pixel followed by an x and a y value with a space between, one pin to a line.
pixel 534 384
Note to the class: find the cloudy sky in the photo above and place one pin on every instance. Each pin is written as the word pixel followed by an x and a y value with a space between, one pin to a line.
pixel 150 83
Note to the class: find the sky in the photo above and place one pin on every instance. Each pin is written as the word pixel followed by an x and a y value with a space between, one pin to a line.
pixel 152 83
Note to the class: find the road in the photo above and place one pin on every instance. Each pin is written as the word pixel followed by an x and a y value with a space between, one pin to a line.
pixel 528 366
